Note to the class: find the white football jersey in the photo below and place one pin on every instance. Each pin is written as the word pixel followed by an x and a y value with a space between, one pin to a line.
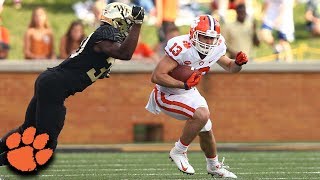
pixel 180 49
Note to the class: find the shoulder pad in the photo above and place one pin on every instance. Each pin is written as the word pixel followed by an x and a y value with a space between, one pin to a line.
pixel 107 32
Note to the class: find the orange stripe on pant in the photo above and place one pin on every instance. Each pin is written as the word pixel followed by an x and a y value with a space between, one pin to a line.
pixel 164 100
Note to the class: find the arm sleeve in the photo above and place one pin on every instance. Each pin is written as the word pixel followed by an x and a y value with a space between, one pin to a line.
pixel 108 32
pixel 222 48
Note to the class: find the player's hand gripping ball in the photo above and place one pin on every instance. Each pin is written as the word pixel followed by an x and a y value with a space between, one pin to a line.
pixel 186 74
pixel 193 80
pixel 182 72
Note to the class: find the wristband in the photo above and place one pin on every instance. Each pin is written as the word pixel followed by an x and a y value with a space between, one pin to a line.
pixel 238 63
pixel 186 87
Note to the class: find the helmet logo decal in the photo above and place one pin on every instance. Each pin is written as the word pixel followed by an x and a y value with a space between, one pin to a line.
pixel 195 22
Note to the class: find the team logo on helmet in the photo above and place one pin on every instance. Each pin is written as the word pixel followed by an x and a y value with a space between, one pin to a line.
pixel 119 16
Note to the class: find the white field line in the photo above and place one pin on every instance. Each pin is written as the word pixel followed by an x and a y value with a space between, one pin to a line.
pixel 77 175
pixel 239 164
pixel 277 159
pixel 66 170
pixel 109 165
pixel 292 178
pixel 151 174
pixel 125 159
pixel 154 174
pixel 229 162
pixel 154 169
pixel 279 172
pixel 163 165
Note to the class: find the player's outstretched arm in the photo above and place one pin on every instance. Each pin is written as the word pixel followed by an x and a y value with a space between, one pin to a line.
pixel 160 74
pixel 124 51
pixel 231 65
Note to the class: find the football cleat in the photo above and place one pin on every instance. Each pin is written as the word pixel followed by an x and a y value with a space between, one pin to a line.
pixel 219 170
pixel 181 160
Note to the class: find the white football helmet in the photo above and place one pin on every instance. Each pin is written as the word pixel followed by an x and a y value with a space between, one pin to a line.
pixel 204 25
pixel 119 16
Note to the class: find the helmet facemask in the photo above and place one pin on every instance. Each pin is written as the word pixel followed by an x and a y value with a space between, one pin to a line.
pixel 203 47
pixel 207 27
pixel 122 25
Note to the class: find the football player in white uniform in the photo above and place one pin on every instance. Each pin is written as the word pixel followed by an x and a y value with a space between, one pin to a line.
pixel 278 16
pixel 201 48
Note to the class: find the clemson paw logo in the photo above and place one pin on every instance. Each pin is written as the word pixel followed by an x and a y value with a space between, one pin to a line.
pixel 26 152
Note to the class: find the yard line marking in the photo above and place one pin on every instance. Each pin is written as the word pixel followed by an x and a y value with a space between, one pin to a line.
pixel 274 159
pixel 279 172
pixel 266 163
pixel 164 169
pixel 122 169
pixel 283 168
pixel 131 174
pixel 76 175
pixel 291 178
pixel 111 165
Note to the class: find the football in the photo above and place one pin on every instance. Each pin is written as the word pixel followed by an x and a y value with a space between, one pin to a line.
pixel 182 72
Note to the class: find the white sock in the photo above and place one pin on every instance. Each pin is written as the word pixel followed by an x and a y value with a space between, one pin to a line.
pixel 212 160
pixel 181 147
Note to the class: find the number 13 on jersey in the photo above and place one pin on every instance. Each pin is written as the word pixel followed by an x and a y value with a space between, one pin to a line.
pixel 175 49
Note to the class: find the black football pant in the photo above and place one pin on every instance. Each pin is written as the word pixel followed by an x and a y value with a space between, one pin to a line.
pixel 46 111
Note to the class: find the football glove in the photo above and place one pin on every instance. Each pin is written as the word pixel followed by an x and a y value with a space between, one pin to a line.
pixel 241 58
pixel 193 80
pixel 137 14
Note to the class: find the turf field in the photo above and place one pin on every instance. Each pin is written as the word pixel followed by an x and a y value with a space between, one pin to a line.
pixel 246 165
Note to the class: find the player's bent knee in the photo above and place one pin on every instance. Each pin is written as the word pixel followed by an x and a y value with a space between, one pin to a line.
pixel 207 126
pixel 202 114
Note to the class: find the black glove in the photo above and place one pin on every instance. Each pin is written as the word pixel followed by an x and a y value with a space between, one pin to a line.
pixel 137 14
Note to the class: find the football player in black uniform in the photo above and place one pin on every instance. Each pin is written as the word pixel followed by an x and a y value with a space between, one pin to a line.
pixel 116 38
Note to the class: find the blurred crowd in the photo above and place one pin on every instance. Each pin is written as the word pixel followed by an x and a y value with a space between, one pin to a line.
pixel 245 24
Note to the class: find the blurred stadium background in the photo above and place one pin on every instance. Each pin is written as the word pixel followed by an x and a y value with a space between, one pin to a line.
pixel 266 121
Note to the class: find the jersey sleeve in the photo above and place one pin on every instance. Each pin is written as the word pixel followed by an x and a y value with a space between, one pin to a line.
pixel 107 32
pixel 222 47
pixel 175 49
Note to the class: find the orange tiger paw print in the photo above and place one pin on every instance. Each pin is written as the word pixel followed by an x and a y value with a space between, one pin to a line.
pixel 23 157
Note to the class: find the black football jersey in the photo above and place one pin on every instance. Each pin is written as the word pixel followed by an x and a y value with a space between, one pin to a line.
pixel 87 64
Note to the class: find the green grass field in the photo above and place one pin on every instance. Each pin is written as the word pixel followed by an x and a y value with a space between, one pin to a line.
pixel 246 165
